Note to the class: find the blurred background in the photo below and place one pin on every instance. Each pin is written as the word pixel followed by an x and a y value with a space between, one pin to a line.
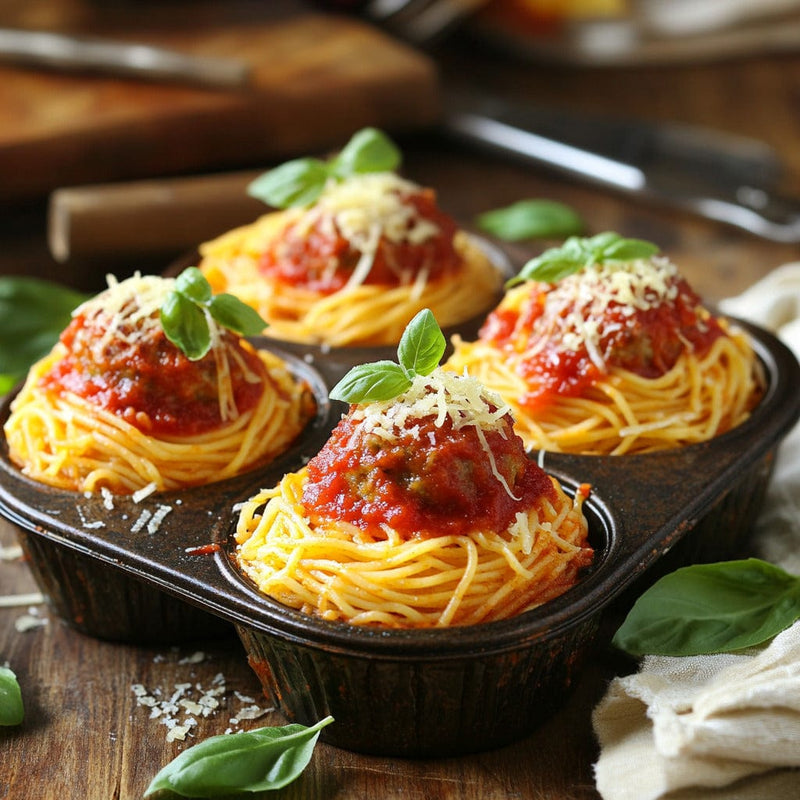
pixel 111 168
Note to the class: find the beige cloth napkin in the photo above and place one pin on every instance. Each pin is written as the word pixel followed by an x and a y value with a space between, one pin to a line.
pixel 727 726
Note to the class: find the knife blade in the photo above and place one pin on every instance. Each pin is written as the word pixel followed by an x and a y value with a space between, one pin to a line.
pixel 44 49
pixel 720 176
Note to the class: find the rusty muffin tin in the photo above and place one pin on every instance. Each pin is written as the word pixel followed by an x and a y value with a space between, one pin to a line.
pixel 431 692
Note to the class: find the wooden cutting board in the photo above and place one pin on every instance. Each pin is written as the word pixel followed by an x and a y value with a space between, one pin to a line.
pixel 316 79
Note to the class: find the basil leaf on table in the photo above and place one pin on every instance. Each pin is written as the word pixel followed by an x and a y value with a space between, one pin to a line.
pixel 33 313
pixel 531 219
pixel 12 710
pixel 711 608
pixel 255 761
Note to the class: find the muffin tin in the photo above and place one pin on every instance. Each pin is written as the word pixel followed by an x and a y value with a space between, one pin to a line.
pixel 398 692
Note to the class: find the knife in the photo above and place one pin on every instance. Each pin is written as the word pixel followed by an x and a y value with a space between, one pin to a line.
pixel 727 178
pixel 132 60
pixel 716 175
pixel 720 176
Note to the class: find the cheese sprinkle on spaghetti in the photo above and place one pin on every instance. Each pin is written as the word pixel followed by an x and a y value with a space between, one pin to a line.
pixel 116 406
pixel 356 266
pixel 420 511
pixel 619 357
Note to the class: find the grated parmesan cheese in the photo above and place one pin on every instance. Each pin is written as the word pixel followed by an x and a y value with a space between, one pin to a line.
pixel 154 523
pixel 151 519
pixel 577 305
pixel 129 312
pixel 181 709
pixel 465 401
pixel 365 208
pixel 10 552
pixel 442 394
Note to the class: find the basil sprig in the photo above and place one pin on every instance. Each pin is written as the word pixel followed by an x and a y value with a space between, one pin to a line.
pixel 300 182
pixel 531 219
pixel 254 761
pixel 184 320
pixel 578 253
pixel 419 351
pixel 12 710
pixel 33 312
pixel 711 608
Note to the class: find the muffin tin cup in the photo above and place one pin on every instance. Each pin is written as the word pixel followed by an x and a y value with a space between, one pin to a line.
pixel 81 585
pixel 432 692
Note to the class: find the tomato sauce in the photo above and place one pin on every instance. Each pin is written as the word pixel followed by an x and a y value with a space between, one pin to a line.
pixel 149 382
pixel 429 481
pixel 647 342
pixel 313 259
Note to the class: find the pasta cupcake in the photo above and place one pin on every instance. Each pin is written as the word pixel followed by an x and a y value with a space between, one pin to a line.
pixel 421 510
pixel 354 252
pixel 602 347
pixel 151 385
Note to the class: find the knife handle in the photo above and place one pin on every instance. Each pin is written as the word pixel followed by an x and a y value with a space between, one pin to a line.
pixel 147 218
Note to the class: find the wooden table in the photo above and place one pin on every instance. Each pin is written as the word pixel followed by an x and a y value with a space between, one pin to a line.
pixel 85 736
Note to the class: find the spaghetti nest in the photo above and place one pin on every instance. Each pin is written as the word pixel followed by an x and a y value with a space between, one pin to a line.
pixel 699 398
pixel 62 439
pixel 419 511
pixel 337 275
pixel 338 571
pixel 619 380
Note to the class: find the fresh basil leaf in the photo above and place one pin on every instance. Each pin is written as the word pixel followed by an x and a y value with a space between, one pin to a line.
pixel 548 268
pixel 578 253
pixel 628 250
pixel 33 313
pixel 422 344
pixel 369 383
pixel 260 760
pixel 369 150
pixel 531 219
pixel 296 183
pixel 12 711
pixel 193 284
pixel 185 325
pixel 232 313
pixel 711 608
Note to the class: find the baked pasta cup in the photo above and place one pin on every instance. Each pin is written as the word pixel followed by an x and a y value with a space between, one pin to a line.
pixel 422 510
pixel 117 406
pixel 617 356
pixel 355 267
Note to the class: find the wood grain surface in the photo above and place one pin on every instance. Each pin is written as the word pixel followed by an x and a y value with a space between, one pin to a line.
pixel 315 79
pixel 85 738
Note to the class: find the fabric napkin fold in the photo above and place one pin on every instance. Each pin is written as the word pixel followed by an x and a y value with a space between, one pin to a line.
pixel 724 726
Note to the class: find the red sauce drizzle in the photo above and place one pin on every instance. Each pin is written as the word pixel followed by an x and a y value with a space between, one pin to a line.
pixel 647 342
pixel 437 483
pixel 315 260
pixel 150 383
